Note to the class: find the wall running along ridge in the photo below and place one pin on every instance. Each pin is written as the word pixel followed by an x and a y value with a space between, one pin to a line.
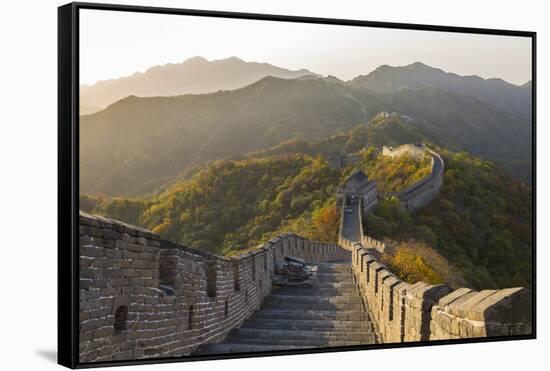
pixel 127 308
pixel 422 192
pixel 420 311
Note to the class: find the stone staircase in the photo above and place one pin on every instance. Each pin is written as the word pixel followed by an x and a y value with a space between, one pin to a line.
pixel 328 314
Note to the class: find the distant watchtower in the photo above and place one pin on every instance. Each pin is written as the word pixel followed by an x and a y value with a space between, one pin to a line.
pixel 356 187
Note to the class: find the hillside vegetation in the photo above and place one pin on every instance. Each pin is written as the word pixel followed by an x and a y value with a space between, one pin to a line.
pixel 481 222
pixel 137 145
pixel 415 261
pixel 396 174
pixel 479 225
pixel 229 205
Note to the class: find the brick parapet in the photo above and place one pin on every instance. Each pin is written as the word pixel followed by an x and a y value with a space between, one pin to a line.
pixel 142 296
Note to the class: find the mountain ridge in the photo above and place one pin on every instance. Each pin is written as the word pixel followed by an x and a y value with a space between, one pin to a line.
pixel 495 91
pixel 202 127
pixel 138 144
pixel 195 75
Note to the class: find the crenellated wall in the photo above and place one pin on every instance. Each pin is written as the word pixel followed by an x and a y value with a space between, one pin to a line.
pixel 422 192
pixel 415 151
pixel 142 296
pixel 420 311
pixel 468 313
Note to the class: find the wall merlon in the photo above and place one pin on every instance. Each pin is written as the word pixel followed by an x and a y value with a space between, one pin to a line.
pixel 461 306
pixel 486 313
pixel 391 282
pixel 501 306
pixel 430 292
pixel 453 296
pixel 383 275
pixel 401 288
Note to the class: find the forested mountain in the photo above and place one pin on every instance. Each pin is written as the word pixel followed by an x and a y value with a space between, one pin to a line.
pixel 193 76
pixel 138 144
pixel 288 191
pixel 480 223
pixel 466 123
pixel 500 94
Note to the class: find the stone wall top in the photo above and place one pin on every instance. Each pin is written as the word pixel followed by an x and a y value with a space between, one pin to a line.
pixel 98 221
pixel 416 151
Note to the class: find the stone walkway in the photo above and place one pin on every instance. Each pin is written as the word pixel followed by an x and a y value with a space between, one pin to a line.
pixel 352 229
pixel 328 314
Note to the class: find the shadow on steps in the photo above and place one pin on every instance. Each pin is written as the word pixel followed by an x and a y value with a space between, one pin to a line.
pixel 328 314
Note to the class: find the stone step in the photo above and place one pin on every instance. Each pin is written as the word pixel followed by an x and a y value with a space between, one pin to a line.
pixel 339 261
pixel 335 277
pixel 313 303
pixel 327 314
pixel 313 300
pixel 241 348
pixel 308 325
pixel 318 292
pixel 333 268
pixel 343 275
pixel 272 313
pixel 300 343
pixel 268 304
pixel 246 332
pixel 323 285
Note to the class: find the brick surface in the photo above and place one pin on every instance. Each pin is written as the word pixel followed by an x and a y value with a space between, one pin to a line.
pixel 163 289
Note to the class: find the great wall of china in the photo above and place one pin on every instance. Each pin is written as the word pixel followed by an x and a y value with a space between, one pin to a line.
pixel 419 311
pixel 143 297
pixel 420 193
pixel 127 310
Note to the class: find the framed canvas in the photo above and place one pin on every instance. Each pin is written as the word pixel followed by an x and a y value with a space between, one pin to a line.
pixel 241 185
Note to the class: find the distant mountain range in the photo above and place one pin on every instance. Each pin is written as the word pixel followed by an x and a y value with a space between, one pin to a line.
pixel 198 76
pixel 139 143
pixel 194 76
pixel 499 93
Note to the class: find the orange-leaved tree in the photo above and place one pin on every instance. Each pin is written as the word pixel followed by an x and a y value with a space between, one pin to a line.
pixel 326 221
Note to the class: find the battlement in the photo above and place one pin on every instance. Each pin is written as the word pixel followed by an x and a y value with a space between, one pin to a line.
pixel 423 191
pixel 420 311
pixel 142 296
pixel 417 151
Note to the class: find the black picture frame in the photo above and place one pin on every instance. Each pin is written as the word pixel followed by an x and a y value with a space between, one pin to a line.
pixel 68 180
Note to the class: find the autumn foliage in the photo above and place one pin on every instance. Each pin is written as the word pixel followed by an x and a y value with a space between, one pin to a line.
pixel 326 221
pixel 415 261
pixel 411 267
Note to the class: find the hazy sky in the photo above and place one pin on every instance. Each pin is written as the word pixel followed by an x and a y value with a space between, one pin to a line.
pixel 116 44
